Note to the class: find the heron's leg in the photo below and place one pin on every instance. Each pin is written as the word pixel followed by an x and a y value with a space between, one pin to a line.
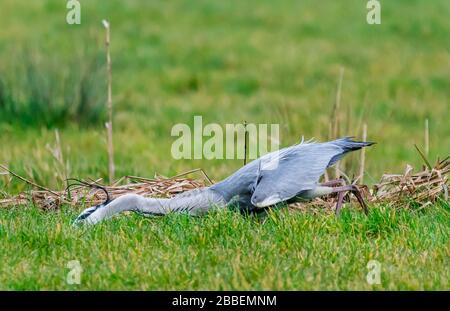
pixel 339 202
pixel 353 189
pixel 334 183
pixel 360 199
pixel 340 198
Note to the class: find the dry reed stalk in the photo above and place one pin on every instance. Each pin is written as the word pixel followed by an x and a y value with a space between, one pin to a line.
pixel 363 156
pixel 336 119
pixel 109 125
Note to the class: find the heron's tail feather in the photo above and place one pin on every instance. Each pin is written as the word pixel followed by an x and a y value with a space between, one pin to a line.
pixel 348 144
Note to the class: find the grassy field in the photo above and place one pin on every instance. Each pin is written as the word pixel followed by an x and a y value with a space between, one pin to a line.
pixel 226 251
pixel 228 61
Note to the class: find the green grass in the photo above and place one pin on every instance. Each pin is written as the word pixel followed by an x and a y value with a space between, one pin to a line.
pixel 228 251
pixel 258 60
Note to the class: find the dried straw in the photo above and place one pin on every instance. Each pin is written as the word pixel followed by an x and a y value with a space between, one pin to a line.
pixel 419 188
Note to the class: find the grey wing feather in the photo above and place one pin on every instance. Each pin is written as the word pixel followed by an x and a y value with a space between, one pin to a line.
pixel 295 169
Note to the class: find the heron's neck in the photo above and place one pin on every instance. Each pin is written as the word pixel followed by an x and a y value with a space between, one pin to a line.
pixel 194 202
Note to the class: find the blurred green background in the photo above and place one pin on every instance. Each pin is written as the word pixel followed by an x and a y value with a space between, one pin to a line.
pixel 229 61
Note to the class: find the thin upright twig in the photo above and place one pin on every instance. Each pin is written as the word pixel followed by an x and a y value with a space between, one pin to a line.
pixel 109 125
pixel 337 104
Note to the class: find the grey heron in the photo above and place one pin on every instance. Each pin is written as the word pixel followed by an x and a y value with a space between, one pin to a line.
pixel 288 175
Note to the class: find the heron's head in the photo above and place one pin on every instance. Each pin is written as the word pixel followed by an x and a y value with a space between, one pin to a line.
pixel 86 213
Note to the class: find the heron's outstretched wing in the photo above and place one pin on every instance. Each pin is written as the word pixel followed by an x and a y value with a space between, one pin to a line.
pixel 282 176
